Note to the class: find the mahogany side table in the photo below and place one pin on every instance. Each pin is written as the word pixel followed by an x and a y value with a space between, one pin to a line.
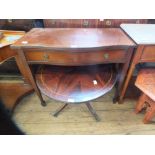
pixel 74 47
pixel 144 36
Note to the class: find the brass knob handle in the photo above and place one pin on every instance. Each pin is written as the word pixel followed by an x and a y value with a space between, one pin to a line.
pixel 108 22
pixel 106 56
pixel 46 57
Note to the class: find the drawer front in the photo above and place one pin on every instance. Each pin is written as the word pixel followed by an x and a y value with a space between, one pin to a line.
pixel 89 23
pixel 75 58
pixel 71 23
pixel 148 54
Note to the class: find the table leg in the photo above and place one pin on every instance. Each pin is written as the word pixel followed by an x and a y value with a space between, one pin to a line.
pixel 129 75
pixel 27 72
pixel 122 75
pixel 135 60
pixel 93 112
pixel 59 110
pixel 22 71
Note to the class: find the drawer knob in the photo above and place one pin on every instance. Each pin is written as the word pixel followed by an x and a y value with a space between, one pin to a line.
pixel 106 56
pixel 46 57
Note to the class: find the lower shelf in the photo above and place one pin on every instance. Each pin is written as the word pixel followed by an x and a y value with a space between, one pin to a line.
pixel 75 84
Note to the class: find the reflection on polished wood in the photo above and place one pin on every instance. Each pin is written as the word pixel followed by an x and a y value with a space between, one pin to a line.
pixel 75 84
pixel 75 47
pixel 73 38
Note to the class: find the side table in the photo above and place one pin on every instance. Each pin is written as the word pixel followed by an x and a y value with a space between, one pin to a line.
pixel 74 47
pixel 144 36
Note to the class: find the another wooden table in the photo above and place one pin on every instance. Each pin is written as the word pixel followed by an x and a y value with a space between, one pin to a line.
pixel 146 83
pixel 144 36
pixel 11 93
pixel 74 47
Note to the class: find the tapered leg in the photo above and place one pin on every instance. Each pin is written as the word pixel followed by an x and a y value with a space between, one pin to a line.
pixel 28 74
pixel 59 110
pixel 93 112
pixel 140 103
pixel 122 75
pixel 134 61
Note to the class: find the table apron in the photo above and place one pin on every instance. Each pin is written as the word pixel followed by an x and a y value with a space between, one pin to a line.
pixel 76 58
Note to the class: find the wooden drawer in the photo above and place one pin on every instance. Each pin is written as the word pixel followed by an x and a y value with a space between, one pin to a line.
pixel 71 23
pixel 148 54
pixel 76 58
pixel 89 23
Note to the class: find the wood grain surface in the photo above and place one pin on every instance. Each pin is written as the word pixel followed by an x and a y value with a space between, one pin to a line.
pixel 146 82
pixel 75 84
pixel 116 119
pixel 73 38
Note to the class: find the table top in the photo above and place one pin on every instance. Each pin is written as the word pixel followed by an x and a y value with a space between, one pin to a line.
pixel 73 38
pixel 140 33
pixel 9 37
pixel 75 84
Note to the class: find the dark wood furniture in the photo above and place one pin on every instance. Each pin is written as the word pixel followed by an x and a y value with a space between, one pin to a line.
pixel 17 24
pixel 74 47
pixel 143 36
pixel 11 93
pixel 10 67
pixel 89 23
pixel 146 83
pixel 76 84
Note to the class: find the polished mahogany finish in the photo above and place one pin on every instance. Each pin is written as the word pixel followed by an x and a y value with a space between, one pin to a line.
pixel 75 84
pixel 74 47
pixel 26 24
pixel 89 23
pixel 146 83
pixel 75 57
pixel 143 36
pixel 71 38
